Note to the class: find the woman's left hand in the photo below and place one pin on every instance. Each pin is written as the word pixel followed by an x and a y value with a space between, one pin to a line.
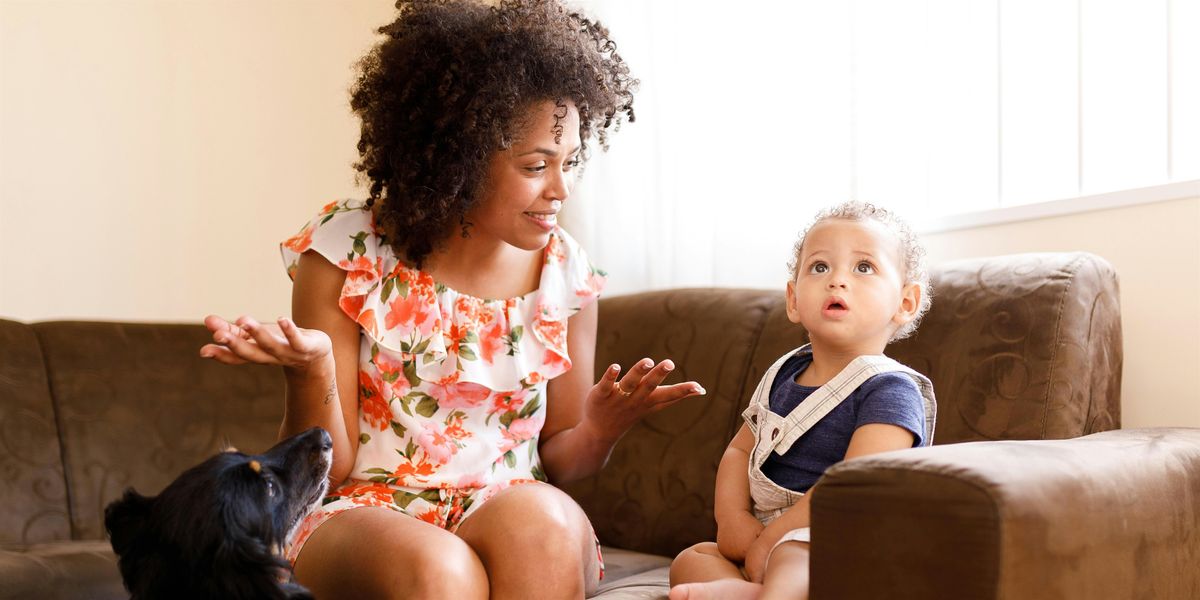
pixel 613 405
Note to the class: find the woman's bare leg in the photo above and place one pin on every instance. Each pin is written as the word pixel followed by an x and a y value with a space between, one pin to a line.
pixel 380 553
pixel 534 542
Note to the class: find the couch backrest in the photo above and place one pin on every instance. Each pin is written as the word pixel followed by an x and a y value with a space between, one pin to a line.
pixel 32 489
pixel 136 405
pixel 1018 347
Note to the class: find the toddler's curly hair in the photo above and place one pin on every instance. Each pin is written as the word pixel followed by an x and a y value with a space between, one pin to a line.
pixel 452 83
pixel 912 253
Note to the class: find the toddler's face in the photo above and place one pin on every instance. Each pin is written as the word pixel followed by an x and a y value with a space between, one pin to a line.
pixel 849 290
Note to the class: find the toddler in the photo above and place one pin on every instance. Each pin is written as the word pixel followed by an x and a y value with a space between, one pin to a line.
pixel 858 282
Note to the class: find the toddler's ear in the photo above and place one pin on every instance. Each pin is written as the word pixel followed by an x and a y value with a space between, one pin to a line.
pixel 792 306
pixel 910 302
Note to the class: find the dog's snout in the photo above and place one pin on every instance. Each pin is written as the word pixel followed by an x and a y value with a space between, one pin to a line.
pixel 326 440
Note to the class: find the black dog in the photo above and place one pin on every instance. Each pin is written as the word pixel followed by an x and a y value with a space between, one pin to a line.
pixel 219 529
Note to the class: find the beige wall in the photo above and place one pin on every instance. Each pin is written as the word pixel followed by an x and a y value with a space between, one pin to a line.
pixel 152 152
pixel 1155 249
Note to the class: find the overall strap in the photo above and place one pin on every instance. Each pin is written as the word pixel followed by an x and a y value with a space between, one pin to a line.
pixel 828 396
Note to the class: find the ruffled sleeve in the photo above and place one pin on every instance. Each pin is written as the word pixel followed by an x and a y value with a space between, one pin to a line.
pixel 569 283
pixel 344 233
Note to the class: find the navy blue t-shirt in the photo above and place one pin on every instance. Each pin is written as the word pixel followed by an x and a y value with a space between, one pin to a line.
pixel 891 398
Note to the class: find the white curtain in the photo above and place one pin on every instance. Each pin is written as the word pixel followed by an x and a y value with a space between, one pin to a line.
pixel 753 115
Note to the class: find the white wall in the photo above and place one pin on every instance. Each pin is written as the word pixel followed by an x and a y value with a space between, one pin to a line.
pixel 153 153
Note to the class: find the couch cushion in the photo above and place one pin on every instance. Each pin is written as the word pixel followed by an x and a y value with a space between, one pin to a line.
pixel 656 493
pixel 137 405
pixel 33 493
pixel 61 571
pixel 629 575
pixel 1022 347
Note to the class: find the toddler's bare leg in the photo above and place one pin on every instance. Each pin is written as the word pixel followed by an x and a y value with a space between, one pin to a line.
pixel 702 562
pixel 702 573
pixel 787 573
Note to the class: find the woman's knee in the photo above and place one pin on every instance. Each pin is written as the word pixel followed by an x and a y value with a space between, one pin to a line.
pixel 389 555
pixel 540 517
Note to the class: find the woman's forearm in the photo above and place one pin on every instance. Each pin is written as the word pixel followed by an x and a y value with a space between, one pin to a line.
pixel 574 453
pixel 312 400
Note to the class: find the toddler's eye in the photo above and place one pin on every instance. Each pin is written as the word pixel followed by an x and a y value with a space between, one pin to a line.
pixel 865 268
pixel 818 267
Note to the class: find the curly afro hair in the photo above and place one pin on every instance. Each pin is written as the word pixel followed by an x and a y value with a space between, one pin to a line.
pixel 452 83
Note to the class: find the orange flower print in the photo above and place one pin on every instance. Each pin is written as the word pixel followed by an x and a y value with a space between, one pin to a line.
pixel 301 241
pixel 508 401
pixel 555 252
pixel 391 371
pixel 591 288
pixel 491 342
pixel 470 310
pixel 520 431
pixel 366 319
pixel 470 481
pixel 433 517
pixel 352 305
pixel 374 408
pixel 411 311
pixel 532 379
pixel 377 491
pixel 554 332
pixel 554 360
pixel 455 430
pixel 409 473
pixel 439 447
pixel 464 394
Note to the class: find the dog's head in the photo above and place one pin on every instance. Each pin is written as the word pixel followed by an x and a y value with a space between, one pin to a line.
pixel 219 529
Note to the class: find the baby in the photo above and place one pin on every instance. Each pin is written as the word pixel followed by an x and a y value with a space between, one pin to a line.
pixel 858 282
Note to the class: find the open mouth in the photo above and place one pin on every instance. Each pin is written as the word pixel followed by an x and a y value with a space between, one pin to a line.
pixel 835 306
pixel 545 219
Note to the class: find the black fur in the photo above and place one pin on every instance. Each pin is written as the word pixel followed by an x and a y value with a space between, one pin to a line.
pixel 218 530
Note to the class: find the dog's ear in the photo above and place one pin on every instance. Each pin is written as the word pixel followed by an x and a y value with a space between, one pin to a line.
pixel 125 520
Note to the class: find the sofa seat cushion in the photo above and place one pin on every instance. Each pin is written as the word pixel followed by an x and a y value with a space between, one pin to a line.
pixel 61 571
pixel 77 570
pixel 629 575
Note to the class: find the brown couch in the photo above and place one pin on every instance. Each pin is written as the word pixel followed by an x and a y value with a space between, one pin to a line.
pixel 1019 348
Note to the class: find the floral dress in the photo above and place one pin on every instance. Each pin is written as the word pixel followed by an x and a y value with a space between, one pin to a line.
pixel 451 387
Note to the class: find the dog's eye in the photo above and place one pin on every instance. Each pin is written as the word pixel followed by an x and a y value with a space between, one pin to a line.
pixel 270 488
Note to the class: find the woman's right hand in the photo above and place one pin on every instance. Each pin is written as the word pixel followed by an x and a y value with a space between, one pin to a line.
pixel 735 533
pixel 283 343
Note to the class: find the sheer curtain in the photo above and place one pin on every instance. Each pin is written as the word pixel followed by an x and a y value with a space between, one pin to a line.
pixel 751 116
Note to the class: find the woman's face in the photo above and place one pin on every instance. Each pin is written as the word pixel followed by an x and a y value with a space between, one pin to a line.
pixel 526 184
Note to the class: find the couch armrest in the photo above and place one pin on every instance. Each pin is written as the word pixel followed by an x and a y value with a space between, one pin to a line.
pixel 1109 515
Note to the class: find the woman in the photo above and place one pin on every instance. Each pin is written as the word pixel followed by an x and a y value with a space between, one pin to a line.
pixel 444 330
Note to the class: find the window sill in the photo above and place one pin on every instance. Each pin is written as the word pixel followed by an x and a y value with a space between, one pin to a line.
pixel 1178 190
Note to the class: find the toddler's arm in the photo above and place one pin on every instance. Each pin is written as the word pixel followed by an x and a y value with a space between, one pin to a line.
pixel 867 439
pixel 737 528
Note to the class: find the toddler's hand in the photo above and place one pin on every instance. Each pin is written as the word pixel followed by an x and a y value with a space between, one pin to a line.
pixel 756 556
pixel 736 533
pixel 248 341
pixel 613 406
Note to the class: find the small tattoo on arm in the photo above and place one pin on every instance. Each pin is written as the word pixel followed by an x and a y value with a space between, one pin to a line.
pixel 329 395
